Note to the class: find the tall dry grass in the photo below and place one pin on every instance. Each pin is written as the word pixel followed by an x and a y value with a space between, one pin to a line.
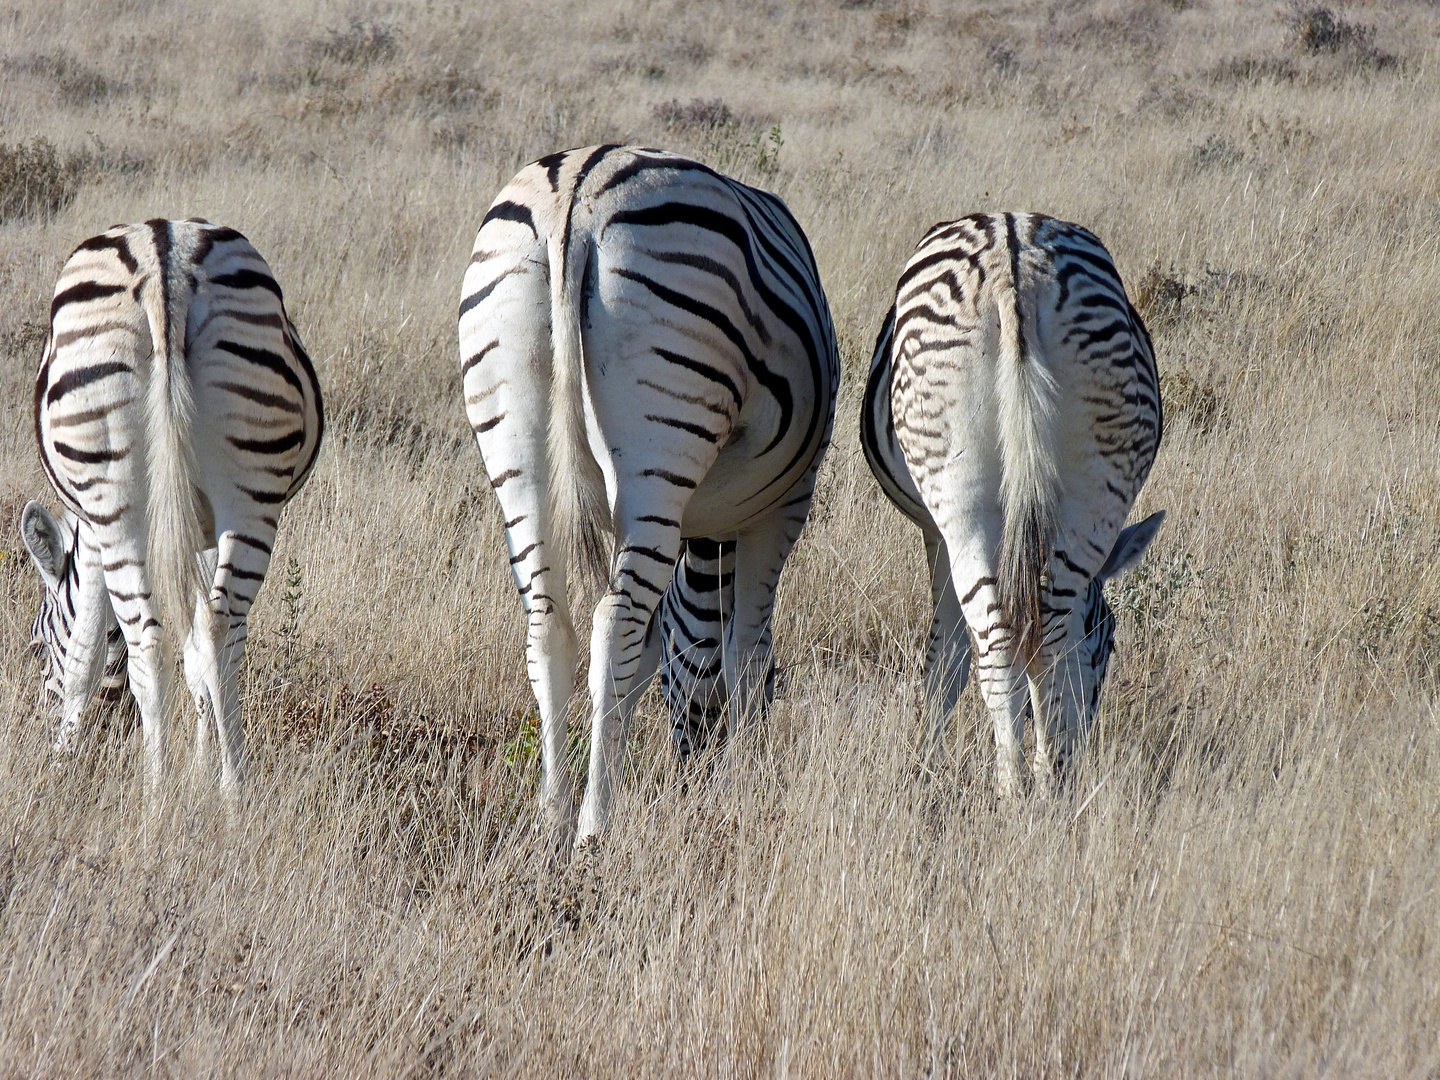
pixel 1245 877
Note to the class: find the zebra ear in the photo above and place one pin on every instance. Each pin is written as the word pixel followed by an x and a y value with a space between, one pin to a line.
pixel 1130 546
pixel 45 541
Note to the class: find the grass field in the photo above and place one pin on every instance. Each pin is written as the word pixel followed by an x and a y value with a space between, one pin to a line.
pixel 1245 878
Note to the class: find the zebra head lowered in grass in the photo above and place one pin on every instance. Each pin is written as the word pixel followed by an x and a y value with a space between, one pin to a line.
pixel 646 352
pixel 1013 413
pixel 176 411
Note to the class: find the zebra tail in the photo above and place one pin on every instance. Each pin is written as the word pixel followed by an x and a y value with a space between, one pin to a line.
pixel 176 534
pixel 579 512
pixel 1030 481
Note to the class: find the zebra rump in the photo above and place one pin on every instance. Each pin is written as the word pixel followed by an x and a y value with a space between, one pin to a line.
pixel 1013 413
pixel 650 370
pixel 175 411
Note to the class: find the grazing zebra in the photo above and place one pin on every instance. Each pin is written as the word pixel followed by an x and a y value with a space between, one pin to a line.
pixel 1013 413
pixel 176 412
pixel 646 351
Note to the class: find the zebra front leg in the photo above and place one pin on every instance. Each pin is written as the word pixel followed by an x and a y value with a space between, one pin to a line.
pixel 83 665
pixel 947 657
pixel 760 554
pixel 1056 689
pixel 692 622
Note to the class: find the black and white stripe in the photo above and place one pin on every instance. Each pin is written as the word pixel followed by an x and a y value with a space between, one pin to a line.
pixel 646 351
pixel 1013 413
pixel 176 411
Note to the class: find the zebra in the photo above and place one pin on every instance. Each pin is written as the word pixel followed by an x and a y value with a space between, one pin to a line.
pixel 646 352
pixel 176 413
pixel 1013 413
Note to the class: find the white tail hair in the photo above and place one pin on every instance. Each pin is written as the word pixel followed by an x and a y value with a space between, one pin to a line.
pixel 1030 481
pixel 579 512
pixel 176 533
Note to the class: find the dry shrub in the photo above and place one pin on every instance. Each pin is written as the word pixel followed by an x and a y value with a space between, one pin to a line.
pixel 1320 31
pixel 1279 133
pixel 76 82
pixel 360 41
pixel 35 181
pixel 448 89
pixel 24 340
pixel 1160 294
pixel 1215 152
pixel 1195 399
pixel 565 900
pixel 698 114
pixel 1075 26
pixel 895 23
pixel 1171 101
pixel 1245 69
pixel 1002 58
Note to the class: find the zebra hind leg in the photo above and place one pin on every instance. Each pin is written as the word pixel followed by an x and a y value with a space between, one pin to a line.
pixel 194 668
pixel 620 662
pixel 551 648
pixel 1000 671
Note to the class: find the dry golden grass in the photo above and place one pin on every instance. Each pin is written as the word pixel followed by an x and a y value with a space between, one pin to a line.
pixel 1246 877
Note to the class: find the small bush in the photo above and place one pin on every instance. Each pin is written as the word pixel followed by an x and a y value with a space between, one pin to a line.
pixel 361 42
pixel 1001 58
pixel 699 114
pixel 77 83
pixel 35 180
pixel 1160 295
pixel 1216 151
pixel 1198 401
pixel 24 340
pixel 1240 69
pixel 1319 30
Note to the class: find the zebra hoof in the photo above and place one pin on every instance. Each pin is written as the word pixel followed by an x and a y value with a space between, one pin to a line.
pixel 1009 786
pixel 557 814
pixel 592 824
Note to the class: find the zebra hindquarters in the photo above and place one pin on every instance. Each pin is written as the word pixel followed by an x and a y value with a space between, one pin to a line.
pixel 506 372
pixel 1025 400
pixel 175 404
pixel 672 322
